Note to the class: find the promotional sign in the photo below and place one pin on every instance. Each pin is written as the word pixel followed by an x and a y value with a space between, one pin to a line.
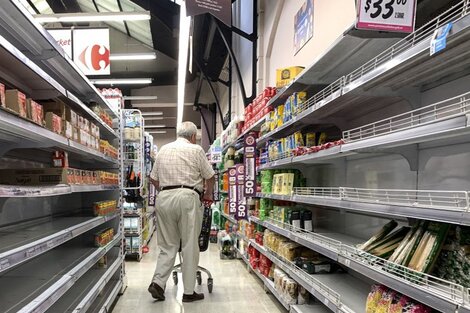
pixel 387 15
pixel 91 50
pixel 241 200
pixel 249 160
pixel 216 193
pixel 114 97
pixel 303 25
pixel 63 38
pixel 216 155
pixel 221 9
pixel 232 190
pixel 439 39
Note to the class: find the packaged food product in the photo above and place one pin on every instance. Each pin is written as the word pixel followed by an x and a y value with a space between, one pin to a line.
pixel 55 106
pixel 322 139
pixel 15 100
pixel 54 123
pixel 35 112
pixel 67 130
pixel 303 297
pixel 310 139
pixel 60 159
pixel 104 237
pixel 34 176
pixel 71 116
pixel 285 75
pixel 291 291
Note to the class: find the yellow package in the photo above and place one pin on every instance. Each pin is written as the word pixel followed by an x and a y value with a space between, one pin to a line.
pixel 310 139
pixel 322 139
pixel 298 140
pixel 280 115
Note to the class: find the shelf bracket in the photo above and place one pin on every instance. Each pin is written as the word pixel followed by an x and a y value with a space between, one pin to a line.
pixel 411 154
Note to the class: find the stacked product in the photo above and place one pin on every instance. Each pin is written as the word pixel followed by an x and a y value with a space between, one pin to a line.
pixel 287 213
pixel 103 208
pixel 284 76
pixel 105 117
pixel 384 300
pixel 417 248
pixel 103 237
pixel 284 112
pixel 281 182
pixel 107 149
pixel 258 108
pixel 288 288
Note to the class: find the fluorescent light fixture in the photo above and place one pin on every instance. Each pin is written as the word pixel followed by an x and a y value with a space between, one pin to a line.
pixel 157 132
pixel 185 22
pixel 152 113
pixel 132 56
pixel 122 81
pixel 93 17
pixel 158 118
pixel 155 126
pixel 143 98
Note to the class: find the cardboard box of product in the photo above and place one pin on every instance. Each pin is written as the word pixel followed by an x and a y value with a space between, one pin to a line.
pixel 2 95
pixel 15 100
pixel 55 106
pixel 287 184
pixel 285 75
pixel 71 116
pixel 34 176
pixel 75 134
pixel 54 123
pixel 67 130
pixel 35 111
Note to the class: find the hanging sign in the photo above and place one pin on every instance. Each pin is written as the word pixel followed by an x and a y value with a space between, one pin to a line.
pixel 221 9
pixel 241 200
pixel 232 191
pixel 387 15
pixel 303 25
pixel 439 39
pixel 63 37
pixel 91 50
pixel 216 155
pixel 249 160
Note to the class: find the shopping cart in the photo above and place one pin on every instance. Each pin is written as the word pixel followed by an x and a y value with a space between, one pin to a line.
pixel 203 245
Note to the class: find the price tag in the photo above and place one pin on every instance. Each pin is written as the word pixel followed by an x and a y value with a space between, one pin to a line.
pixel 4 264
pixel 347 262
pixel 50 244
pixel 326 302
pixel 439 39
pixel 387 15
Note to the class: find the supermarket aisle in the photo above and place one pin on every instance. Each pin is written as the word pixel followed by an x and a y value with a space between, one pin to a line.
pixel 235 290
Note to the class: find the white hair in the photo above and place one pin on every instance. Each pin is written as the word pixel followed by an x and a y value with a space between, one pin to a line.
pixel 186 130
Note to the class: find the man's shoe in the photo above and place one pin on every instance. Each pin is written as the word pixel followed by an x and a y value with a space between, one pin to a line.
pixel 157 292
pixel 193 297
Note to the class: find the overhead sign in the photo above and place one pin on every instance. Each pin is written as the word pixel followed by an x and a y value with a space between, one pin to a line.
pixel 63 37
pixel 241 200
pixel 232 190
pixel 221 9
pixel 387 15
pixel 91 50
pixel 249 160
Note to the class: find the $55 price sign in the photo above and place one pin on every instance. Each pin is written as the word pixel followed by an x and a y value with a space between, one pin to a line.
pixel 387 15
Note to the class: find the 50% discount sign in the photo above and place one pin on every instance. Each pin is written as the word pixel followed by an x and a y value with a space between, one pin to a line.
pixel 387 15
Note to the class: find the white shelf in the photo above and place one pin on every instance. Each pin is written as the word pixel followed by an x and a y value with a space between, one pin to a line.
pixel 105 301
pixel 309 308
pixel 86 290
pixel 39 283
pixel 16 191
pixel 230 218
pixel 437 205
pixel 23 242
pixel 437 293
pixel 21 133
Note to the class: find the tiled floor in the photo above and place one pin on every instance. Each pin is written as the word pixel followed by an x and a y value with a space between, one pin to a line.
pixel 235 290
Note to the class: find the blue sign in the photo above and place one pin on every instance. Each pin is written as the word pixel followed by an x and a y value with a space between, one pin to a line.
pixel 439 39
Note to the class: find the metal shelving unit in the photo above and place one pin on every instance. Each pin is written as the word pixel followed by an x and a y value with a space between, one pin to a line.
pixel 309 308
pixel 230 218
pixel 46 252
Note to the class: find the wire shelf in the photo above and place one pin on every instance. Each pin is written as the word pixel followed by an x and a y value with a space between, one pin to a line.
pixel 312 282
pixel 454 13
pixel 430 284
pixel 318 100
pixel 281 156
pixel 314 238
pixel 456 106
pixel 434 199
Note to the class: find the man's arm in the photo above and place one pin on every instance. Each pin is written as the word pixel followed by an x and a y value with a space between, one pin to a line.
pixel 155 182
pixel 154 176
pixel 208 175
pixel 209 188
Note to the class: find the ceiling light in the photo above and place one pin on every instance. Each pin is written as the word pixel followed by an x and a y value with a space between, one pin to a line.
pixel 185 22
pixel 140 98
pixel 93 17
pixel 122 81
pixel 132 56
pixel 151 113
pixel 157 132
pixel 155 126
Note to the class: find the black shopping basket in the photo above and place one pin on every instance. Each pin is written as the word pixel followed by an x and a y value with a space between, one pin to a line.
pixel 206 227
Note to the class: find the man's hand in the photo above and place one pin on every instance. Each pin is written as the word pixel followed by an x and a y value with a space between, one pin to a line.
pixel 208 196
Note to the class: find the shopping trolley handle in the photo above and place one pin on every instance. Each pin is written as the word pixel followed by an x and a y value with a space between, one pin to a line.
pixel 207 202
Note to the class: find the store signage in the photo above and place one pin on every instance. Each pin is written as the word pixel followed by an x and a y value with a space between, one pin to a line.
pixel 439 39
pixel 387 15
pixel 221 9
pixel 114 98
pixel 232 190
pixel 91 50
pixel 303 25
pixel 249 160
pixel 216 155
pixel 241 200
pixel 216 193
pixel 63 37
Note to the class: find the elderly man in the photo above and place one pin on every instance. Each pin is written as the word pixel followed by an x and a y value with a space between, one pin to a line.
pixel 184 176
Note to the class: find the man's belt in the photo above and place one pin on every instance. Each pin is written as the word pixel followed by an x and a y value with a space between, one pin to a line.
pixel 181 186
